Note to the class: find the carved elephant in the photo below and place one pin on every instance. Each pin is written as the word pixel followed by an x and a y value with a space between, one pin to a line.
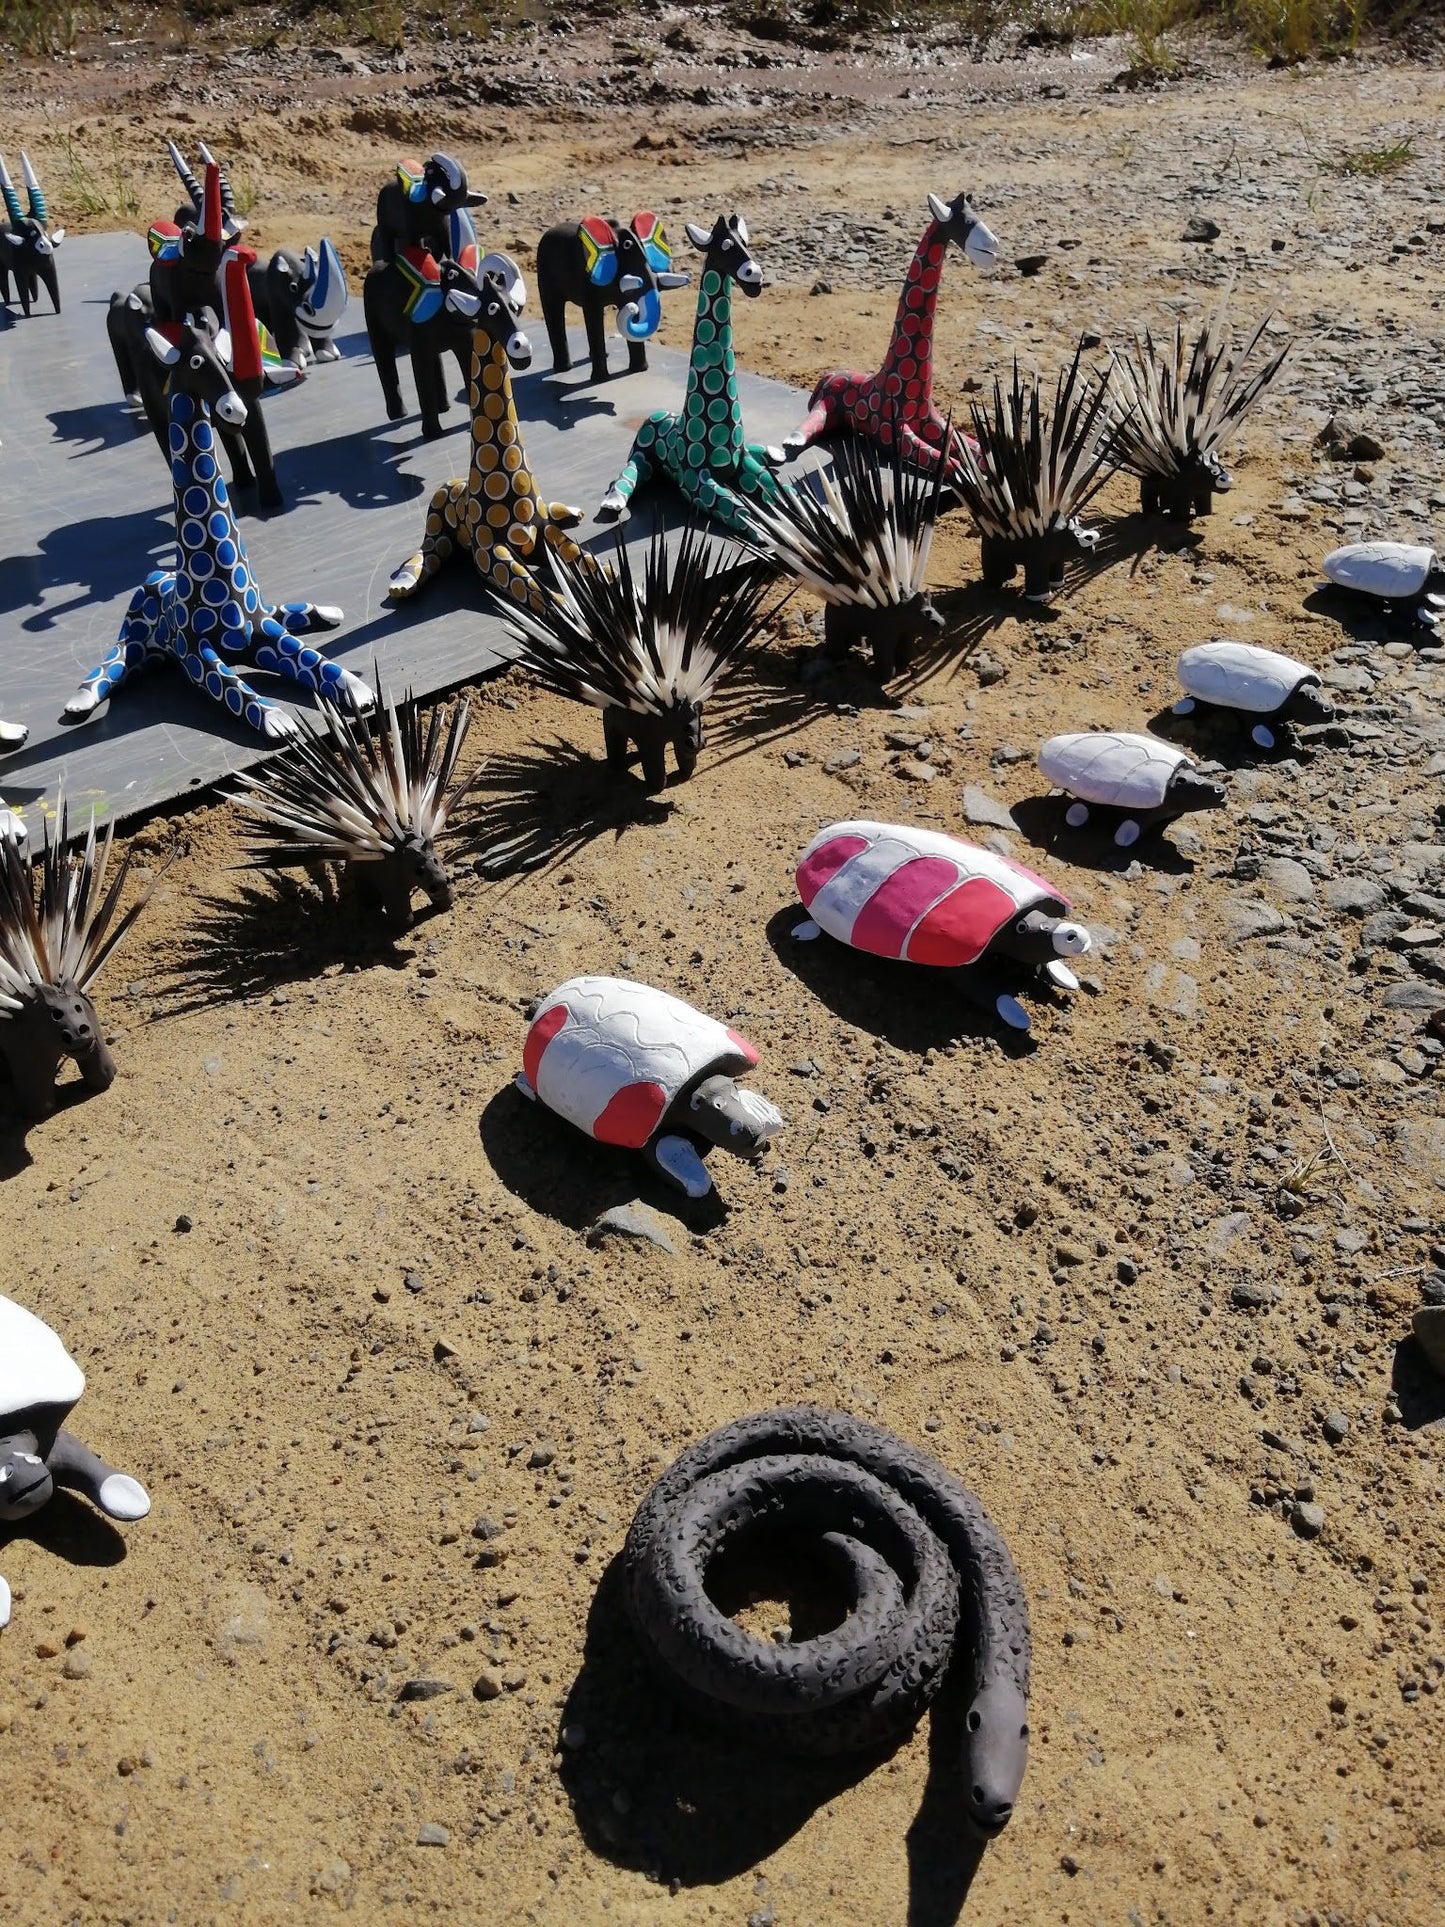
pixel 407 314
pixel 27 244
pixel 596 264
pixel 414 209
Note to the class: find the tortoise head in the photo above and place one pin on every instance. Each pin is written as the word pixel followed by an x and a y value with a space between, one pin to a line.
pixel 1309 704
pixel 1189 790
pixel 739 1120
pixel 25 1481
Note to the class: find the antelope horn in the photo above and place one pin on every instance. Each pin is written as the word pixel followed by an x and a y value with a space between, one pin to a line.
pixel 32 182
pixel 188 179
pixel 12 199
pixel 208 159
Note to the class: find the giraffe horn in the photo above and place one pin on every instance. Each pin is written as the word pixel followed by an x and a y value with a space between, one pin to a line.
pixel 37 197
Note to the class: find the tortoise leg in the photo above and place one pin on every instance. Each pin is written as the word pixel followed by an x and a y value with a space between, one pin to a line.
pixel 675 1159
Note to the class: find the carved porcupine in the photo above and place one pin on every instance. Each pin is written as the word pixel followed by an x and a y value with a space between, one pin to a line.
pixel 647 652
pixel 1182 407
pixel 373 801
pixel 51 952
pixel 858 534
pixel 1035 469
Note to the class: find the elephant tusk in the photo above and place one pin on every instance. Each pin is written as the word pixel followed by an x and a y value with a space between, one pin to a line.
pixel 673 280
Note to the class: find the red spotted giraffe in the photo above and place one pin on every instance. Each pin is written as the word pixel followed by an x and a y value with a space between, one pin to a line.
pixel 896 404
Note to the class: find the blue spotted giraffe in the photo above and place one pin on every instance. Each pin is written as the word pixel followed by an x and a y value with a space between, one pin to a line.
pixel 207 612
pixel 702 450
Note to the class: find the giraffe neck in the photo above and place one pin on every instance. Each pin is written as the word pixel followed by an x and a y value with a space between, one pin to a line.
pixel 910 352
pixel 210 551
pixel 494 411
pixel 712 371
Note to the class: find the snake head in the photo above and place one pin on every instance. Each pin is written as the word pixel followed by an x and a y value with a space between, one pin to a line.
pixel 995 1753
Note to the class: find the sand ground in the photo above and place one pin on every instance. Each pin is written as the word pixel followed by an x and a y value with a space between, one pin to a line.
pixel 385 1314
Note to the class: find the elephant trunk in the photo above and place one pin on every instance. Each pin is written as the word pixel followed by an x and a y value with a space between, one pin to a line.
pixel 638 319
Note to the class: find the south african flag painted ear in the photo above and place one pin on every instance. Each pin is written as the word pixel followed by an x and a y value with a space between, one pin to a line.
pixel 599 249
pixel 653 236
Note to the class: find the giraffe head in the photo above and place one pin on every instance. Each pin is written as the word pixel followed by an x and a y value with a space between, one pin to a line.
pixel 726 251
pixel 957 222
pixel 196 358
pixel 490 301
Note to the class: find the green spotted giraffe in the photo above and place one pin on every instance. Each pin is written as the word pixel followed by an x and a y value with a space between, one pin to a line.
pixel 702 450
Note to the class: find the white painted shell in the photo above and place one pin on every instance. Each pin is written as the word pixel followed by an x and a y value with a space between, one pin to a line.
pixel 35 1368
pixel 1240 675
pixel 612 1056
pixel 1112 767
pixel 1393 571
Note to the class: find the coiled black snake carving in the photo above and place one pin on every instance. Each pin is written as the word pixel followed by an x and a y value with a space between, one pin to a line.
pixel 931 1586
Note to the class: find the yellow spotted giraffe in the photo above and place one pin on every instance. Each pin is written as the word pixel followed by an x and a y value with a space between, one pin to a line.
pixel 494 514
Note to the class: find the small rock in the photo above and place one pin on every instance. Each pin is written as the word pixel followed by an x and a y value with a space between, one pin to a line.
pixel 431 1834
pixel 1356 896
pixel 821 287
pixel 1200 228
pixel 1029 265
pixel 184 1223
pixel 1250 1296
pixel 845 759
pixel 635 1220
pixel 1364 448
pixel 488 1685
pixel 1335 1427
pixel 424 1689
pixel 982 809
pixel 1283 877
pixel 77 1665
pixel 1247 917
pixel 1308 1520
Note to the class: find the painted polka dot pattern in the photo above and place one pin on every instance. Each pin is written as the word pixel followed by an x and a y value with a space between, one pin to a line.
pixel 895 406
pixel 206 613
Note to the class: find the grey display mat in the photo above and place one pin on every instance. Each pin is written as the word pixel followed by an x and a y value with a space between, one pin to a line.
pixel 86 510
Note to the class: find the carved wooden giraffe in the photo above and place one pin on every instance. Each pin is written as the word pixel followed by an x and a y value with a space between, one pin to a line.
pixel 896 404
pixel 207 612
pixel 494 515
pixel 702 450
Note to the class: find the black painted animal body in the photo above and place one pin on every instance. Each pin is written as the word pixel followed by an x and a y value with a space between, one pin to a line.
pixel 27 243
pixel 414 208
pixel 597 264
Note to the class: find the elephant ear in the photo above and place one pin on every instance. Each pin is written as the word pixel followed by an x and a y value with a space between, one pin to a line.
pixel 163 238
pixel 599 250
pixel 424 283
pixel 463 247
pixel 655 244
pixel 411 175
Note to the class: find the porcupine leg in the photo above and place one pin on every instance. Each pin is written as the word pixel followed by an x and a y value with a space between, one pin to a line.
pixel 276 648
pixel 137 645
pixel 220 682
pixel 443 519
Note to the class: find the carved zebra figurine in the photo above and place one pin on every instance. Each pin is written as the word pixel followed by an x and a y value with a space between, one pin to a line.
pixel 206 613
pixel 702 450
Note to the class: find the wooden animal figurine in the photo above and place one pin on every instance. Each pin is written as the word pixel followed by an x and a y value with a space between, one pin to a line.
pixel 895 406
pixel 206 613
pixel 1398 575
pixel 1178 409
pixel 494 516
pixel 702 450
pixel 406 310
pixel 39 1385
pixel 13 736
pixel 27 245
pixel 631 1066
pixel 412 211
pixel 895 891
pixel 1261 684
pixel 1139 782
pixel 1031 472
pixel 373 801
pixel 596 264
pixel 858 534
pixel 51 952
pixel 647 652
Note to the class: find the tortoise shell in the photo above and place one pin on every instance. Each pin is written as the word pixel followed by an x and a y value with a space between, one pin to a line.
pixel 37 1373
pixel 919 895
pixel 1389 570
pixel 1112 767
pixel 612 1057
pixel 1240 675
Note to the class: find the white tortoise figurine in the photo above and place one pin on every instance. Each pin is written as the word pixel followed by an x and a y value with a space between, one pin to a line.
pixel 39 1383
pixel 1147 782
pixel 1260 682
pixel 896 891
pixel 12 824
pixel 1398 573
pixel 634 1067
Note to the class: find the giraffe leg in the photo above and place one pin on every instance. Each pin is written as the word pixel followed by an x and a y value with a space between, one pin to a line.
pixel 305 618
pixel 706 492
pixel 755 472
pixel 509 578
pixel 562 515
pixel 444 518
pixel 221 683
pixel 278 649
pixel 137 645
pixel 818 420
pixel 637 469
